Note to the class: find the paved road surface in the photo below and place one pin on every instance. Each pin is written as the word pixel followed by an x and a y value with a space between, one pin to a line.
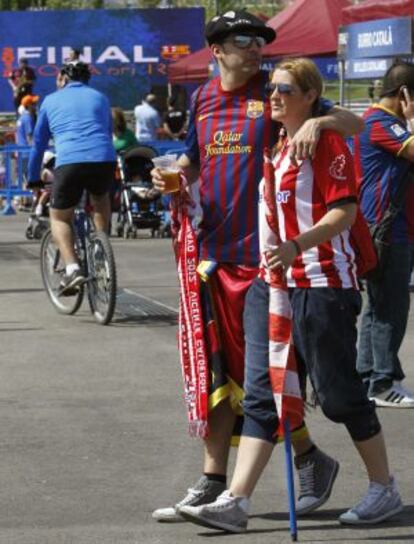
pixel 92 425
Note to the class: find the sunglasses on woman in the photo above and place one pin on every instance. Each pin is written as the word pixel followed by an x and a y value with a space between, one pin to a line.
pixel 244 41
pixel 281 88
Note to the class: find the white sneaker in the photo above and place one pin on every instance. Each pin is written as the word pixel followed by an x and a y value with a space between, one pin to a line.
pixel 203 492
pixel 394 397
pixel 226 512
pixel 379 503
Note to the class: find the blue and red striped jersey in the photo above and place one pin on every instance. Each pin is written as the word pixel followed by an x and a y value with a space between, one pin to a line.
pixel 379 169
pixel 228 132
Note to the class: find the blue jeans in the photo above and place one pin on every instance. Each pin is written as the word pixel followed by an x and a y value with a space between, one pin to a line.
pixel 384 322
pixel 260 416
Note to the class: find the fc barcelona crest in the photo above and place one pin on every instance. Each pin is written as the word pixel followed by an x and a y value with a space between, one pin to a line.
pixel 255 109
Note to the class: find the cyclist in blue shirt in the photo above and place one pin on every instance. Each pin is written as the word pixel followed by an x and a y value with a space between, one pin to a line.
pixel 78 118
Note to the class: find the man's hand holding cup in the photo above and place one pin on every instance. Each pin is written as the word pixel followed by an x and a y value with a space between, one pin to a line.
pixel 166 174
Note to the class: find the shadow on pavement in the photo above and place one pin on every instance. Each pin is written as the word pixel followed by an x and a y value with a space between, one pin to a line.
pixel 403 519
pixel 24 290
pixel 133 320
pixel 20 243
pixel 19 329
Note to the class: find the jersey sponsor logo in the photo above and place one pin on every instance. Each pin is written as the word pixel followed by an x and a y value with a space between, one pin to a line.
pixel 336 169
pixel 282 196
pixel 398 130
pixel 255 109
pixel 204 116
pixel 227 143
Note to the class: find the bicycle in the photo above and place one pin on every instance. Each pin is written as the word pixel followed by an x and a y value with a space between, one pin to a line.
pixel 97 262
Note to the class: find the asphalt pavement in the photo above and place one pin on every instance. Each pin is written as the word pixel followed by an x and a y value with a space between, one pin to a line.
pixel 93 428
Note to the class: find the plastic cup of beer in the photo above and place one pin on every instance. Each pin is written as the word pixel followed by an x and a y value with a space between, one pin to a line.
pixel 169 171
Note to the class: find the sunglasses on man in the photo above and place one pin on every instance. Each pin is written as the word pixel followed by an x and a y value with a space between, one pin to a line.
pixel 244 41
pixel 281 88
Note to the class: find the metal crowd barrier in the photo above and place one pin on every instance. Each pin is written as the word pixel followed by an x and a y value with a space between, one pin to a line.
pixel 13 165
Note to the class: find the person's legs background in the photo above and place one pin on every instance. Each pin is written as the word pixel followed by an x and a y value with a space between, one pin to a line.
pixel 384 322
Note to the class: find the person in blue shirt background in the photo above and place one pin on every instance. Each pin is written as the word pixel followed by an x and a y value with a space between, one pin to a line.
pixel 78 118
pixel 27 120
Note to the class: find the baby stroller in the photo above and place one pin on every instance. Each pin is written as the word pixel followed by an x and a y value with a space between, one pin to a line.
pixel 38 222
pixel 139 200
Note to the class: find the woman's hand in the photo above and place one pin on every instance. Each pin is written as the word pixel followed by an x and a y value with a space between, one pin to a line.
pixel 281 256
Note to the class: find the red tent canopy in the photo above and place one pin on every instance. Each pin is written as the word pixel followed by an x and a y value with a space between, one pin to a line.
pixel 306 27
pixel 377 9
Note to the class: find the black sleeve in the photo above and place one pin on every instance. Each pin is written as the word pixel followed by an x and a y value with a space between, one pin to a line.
pixel 342 202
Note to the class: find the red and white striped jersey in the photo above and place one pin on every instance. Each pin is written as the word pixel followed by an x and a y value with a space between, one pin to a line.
pixel 304 194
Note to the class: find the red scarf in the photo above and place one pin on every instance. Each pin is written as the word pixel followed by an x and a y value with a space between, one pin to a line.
pixel 282 363
pixel 193 355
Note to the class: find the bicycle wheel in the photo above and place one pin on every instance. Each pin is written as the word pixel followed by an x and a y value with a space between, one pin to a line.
pixel 53 268
pixel 101 283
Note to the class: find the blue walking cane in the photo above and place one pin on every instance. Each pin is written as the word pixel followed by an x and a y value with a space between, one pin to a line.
pixel 290 482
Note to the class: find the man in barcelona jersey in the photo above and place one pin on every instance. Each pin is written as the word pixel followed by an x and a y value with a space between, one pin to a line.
pixel 384 154
pixel 230 126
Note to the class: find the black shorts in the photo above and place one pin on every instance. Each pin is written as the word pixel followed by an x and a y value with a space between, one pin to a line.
pixel 72 179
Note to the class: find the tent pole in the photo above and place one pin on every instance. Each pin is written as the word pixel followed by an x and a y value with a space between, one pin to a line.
pixel 341 66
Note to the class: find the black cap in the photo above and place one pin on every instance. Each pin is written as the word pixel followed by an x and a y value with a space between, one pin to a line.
pixel 237 21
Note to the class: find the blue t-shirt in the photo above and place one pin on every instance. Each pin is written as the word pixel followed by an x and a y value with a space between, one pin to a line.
pixel 79 120
pixel 25 125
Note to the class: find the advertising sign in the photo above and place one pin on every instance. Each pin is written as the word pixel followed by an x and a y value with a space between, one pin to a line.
pixel 366 68
pixel 128 50
pixel 379 38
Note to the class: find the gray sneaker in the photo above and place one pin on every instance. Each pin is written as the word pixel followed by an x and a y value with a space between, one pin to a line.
pixel 317 472
pixel 203 492
pixel 226 512
pixel 379 503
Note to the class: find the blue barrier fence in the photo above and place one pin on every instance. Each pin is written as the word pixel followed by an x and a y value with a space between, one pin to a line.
pixel 14 160
pixel 167 146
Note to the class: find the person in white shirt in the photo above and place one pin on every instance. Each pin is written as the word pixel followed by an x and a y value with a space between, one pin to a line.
pixel 147 120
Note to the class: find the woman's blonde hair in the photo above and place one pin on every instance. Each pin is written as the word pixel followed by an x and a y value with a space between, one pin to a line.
pixel 305 73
